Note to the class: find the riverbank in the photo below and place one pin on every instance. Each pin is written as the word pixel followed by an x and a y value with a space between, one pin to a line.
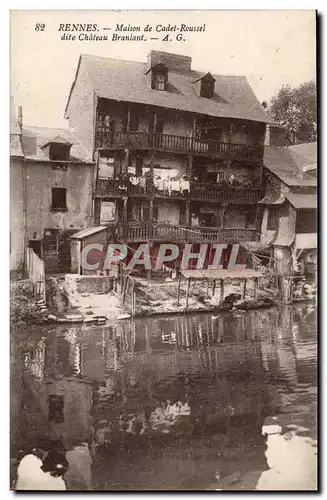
pixel 152 298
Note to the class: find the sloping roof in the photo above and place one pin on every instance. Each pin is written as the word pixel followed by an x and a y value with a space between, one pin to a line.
pixel 306 241
pixel 302 200
pixel 88 232
pixel 305 155
pixel 221 274
pixel 34 138
pixel 126 81
pixel 58 140
pixel 272 200
pixel 280 161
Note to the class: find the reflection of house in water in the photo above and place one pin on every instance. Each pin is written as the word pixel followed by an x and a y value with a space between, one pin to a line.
pixel 214 366
pixel 57 404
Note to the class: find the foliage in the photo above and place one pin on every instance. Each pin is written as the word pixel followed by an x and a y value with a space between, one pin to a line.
pixel 24 309
pixel 295 109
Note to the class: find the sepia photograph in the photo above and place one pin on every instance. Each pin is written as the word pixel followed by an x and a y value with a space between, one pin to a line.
pixel 163 250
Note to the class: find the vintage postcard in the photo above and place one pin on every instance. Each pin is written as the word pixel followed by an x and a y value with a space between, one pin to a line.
pixel 163 250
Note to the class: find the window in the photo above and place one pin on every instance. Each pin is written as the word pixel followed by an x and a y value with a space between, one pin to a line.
pixel 59 152
pixel 59 203
pixel 50 241
pixel 306 221
pixel 159 81
pixel 56 409
pixel 273 215
pixel 207 88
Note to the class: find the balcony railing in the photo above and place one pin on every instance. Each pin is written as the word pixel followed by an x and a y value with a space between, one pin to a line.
pixel 166 233
pixel 179 144
pixel 197 192
pixel 120 187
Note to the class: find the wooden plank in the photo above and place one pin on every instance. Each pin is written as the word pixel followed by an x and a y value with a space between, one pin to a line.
pixel 187 291
pixel 179 288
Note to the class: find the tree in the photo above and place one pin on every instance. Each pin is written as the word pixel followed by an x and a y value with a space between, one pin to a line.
pixel 295 109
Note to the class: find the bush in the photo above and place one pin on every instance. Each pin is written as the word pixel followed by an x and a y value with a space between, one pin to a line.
pixel 24 309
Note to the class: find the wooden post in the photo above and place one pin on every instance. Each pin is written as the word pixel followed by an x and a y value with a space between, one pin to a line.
pixel 255 288
pixel 244 288
pixel 125 199
pixel 126 160
pixel 187 213
pixel 213 288
pixel 179 287
pixel 207 287
pixel 125 287
pixel 133 298
pixel 128 118
pixel 187 291
pixel 221 292
pixel 190 165
pixel 151 210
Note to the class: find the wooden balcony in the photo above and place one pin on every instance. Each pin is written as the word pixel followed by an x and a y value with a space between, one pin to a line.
pixel 177 144
pixel 177 234
pixel 205 192
pixel 118 187
pixel 225 194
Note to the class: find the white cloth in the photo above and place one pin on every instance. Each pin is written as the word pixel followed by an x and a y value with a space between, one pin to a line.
pixel 31 477
pixel 79 473
pixel 134 180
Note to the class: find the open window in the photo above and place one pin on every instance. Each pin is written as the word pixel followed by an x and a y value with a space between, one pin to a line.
pixel 158 77
pixel 59 200
pixel 58 149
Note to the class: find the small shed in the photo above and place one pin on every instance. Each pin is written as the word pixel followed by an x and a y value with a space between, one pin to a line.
pixel 102 235
pixel 217 274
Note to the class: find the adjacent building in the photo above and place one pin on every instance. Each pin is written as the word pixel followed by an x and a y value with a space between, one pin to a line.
pixel 178 152
pixel 51 193
pixel 289 223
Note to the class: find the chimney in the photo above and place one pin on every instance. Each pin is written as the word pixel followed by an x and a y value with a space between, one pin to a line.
pixel 20 117
pixel 173 62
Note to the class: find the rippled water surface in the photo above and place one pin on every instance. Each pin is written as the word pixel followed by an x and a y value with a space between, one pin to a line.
pixel 229 374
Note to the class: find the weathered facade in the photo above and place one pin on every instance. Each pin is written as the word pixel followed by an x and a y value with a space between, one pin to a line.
pixel 51 195
pixel 289 222
pixel 179 154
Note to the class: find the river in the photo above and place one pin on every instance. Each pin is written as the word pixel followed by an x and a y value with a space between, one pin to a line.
pixel 176 403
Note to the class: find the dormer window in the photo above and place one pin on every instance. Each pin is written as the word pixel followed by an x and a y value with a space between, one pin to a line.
pixel 57 149
pixel 205 86
pixel 158 77
pixel 159 81
pixel 59 152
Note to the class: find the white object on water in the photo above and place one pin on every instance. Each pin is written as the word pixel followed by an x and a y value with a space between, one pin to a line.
pixel 124 316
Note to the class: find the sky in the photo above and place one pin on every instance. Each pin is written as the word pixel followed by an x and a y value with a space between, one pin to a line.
pixel 270 48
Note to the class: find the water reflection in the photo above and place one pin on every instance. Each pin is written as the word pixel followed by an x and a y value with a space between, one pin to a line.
pixel 128 386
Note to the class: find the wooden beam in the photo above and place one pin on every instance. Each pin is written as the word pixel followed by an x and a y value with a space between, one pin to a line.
pixel 213 288
pixel 125 199
pixel 187 291
pixel 255 288
pixel 179 287
pixel 128 118
pixel 189 165
pixel 221 292
pixel 187 213
pixel 244 288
